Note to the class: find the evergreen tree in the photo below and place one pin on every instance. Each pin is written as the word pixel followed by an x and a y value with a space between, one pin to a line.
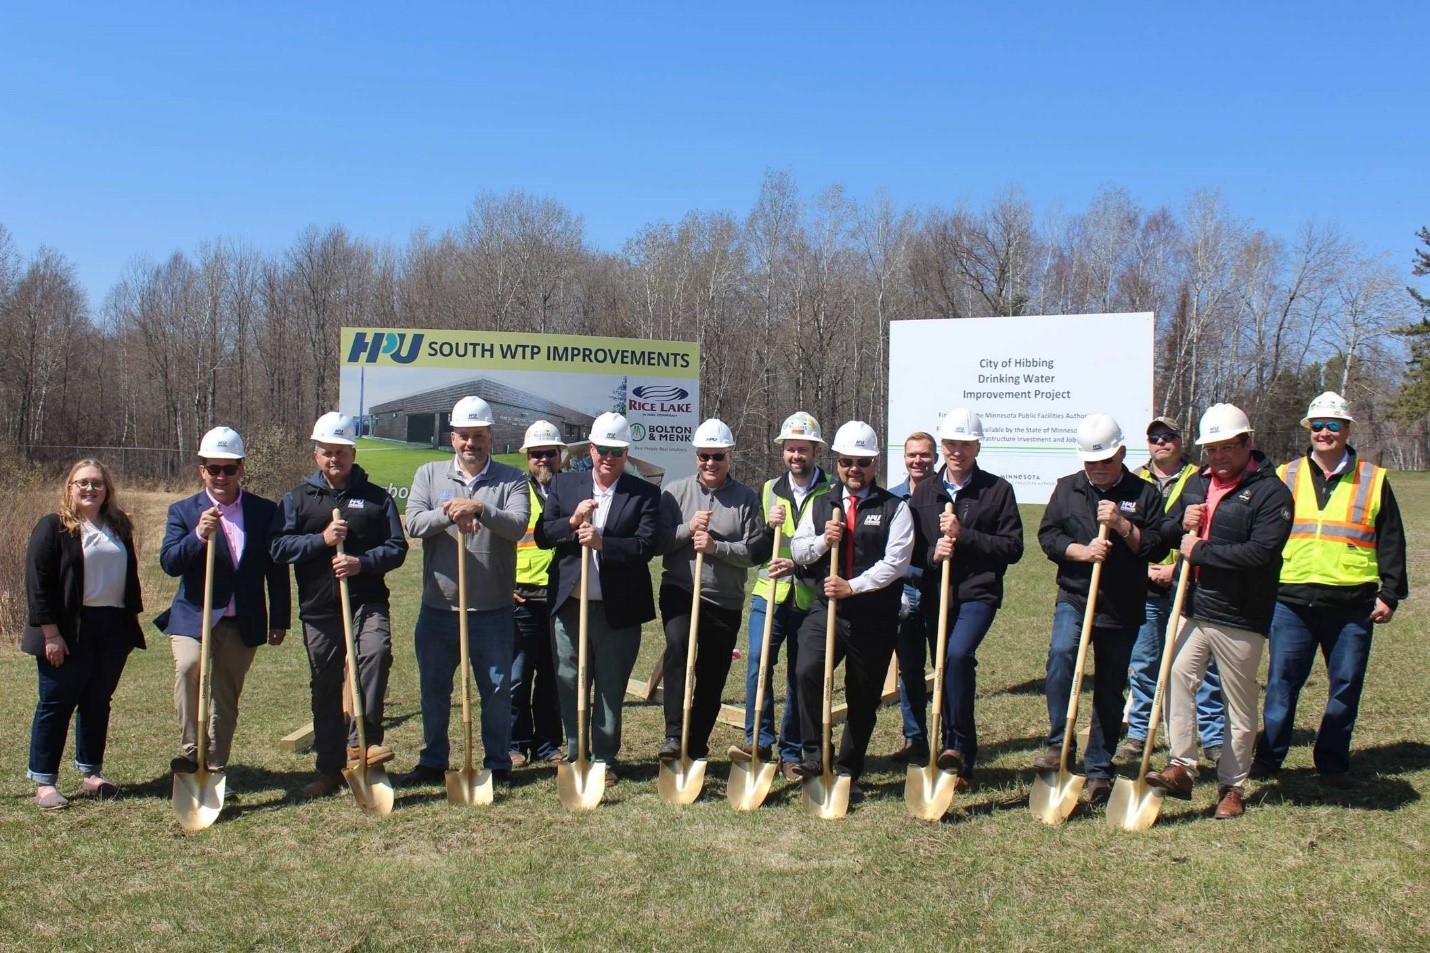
pixel 1413 402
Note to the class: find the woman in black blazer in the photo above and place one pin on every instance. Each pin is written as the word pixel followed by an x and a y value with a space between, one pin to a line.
pixel 82 584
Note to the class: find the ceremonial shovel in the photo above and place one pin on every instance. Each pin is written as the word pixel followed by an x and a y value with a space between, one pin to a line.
pixel 466 786
pixel 1134 805
pixel 581 784
pixel 928 792
pixel 198 797
pixel 679 782
pixel 827 796
pixel 371 787
pixel 749 784
pixel 1054 794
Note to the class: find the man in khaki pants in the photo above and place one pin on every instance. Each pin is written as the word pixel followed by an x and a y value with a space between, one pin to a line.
pixel 1237 515
pixel 222 515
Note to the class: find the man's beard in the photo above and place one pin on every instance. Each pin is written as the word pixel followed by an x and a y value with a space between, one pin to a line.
pixel 543 477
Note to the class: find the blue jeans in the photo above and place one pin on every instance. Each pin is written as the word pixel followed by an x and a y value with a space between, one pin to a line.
pixel 1343 638
pixel 914 647
pixel 1142 678
pixel 968 623
pixel 1111 649
pixel 535 709
pixel 787 620
pixel 83 684
pixel 489 643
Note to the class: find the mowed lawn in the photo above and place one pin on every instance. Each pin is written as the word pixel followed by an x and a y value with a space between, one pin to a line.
pixel 1303 870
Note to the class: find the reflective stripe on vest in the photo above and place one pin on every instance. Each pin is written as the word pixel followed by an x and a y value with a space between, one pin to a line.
pixel 532 562
pixel 1145 473
pixel 1334 546
pixel 803 589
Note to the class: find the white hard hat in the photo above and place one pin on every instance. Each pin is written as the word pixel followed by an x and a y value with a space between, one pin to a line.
pixel 543 433
pixel 713 435
pixel 471 412
pixel 1099 437
pixel 334 427
pixel 961 424
pixel 610 430
pixel 856 439
pixel 222 443
pixel 1330 404
pixel 800 426
pixel 1222 422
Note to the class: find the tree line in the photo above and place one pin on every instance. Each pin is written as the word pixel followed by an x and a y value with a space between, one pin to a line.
pixel 790 301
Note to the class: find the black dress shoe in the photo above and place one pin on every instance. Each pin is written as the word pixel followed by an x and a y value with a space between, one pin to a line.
pixel 183 764
pixel 501 779
pixel 1099 791
pixel 421 774
pixel 669 750
pixel 809 768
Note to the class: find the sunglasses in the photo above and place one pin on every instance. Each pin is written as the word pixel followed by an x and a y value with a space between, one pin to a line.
pixel 1161 438
pixel 1334 426
pixel 543 454
pixel 611 451
pixel 226 469
pixel 711 457
pixel 88 484
pixel 860 463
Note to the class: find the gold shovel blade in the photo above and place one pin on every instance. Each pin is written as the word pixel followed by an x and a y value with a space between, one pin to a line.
pixel 826 798
pixel 680 782
pixel 928 792
pixel 469 787
pixel 198 799
pixel 1134 805
pixel 749 784
pixel 580 785
pixel 371 787
pixel 1054 795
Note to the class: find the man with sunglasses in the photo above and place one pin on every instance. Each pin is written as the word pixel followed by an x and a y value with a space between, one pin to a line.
pixel 1103 493
pixel 222 514
pixel 714 514
pixel 1343 572
pixel 535 709
pixel 780 589
pixel 486 500
pixel 875 533
pixel 610 517
pixel 1169 470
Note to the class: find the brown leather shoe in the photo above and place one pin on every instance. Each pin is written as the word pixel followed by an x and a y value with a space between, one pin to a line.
pixel 1175 779
pixel 1099 791
pixel 911 753
pixel 744 754
pixel 1229 803
pixel 950 760
pixel 789 772
pixel 376 754
pixel 965 785
pixel 321 786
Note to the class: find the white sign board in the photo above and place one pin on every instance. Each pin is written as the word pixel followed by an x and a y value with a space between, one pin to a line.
pixel 1030 379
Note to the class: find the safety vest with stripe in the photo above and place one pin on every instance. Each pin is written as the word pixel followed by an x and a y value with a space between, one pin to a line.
pixel 1145 472
pixel 532 562
pixel 1334 546
pixel 803 588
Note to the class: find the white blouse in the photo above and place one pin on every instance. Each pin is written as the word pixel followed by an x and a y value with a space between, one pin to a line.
pixel 105 565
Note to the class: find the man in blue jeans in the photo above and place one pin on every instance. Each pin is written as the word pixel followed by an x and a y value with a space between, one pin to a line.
pixel 489 503
pixel 1103 493
pixel 1343 572
pixel 915 637
pixel 1168 469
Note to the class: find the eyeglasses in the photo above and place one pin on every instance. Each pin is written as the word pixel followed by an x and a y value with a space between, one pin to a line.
pixel 852 463
pixel 611 451
pixel 543 454
pixel 711 457
pixel 88 484
pixel 224 469
pixel 1334 426
pixel 1161 438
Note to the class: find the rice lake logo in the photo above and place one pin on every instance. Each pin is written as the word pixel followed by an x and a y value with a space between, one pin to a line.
pixel 401 348
pixel 660 399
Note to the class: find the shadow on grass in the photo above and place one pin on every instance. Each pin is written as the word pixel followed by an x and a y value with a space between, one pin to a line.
pixel 1033 686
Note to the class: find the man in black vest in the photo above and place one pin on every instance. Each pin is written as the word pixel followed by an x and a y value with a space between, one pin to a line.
pixel 876 536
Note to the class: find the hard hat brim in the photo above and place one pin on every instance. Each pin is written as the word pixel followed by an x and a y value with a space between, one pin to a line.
pixel 1222 438
pixel 1306 421
pixel 219 455
pixel 1097 456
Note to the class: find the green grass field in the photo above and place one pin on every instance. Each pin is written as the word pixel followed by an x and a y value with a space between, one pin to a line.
pixel 1303 870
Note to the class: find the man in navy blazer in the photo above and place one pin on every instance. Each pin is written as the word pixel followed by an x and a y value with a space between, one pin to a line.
pixel 608 516
pixel 237 523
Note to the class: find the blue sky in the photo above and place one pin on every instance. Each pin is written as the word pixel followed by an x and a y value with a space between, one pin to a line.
pixel 137 129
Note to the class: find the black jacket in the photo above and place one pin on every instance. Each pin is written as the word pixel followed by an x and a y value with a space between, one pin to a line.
pixel 374 536
pixel 627 545
pixel 989 541
pixel 1071 517
pixel 1238 564
pixel 54 586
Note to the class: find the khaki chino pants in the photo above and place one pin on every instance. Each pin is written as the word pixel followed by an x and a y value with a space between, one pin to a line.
pixel 1238 655
pixel 228 665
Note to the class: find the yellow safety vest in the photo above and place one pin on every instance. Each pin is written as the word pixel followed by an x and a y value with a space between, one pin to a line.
pixel 803 589
pixel 1334 546
pixel 1145 472
pixel 532 562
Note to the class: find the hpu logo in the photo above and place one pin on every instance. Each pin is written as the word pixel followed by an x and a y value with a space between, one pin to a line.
pixel 367 348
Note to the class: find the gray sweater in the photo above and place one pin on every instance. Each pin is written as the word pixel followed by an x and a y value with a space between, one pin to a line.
pixel 491 551
pixel 735 525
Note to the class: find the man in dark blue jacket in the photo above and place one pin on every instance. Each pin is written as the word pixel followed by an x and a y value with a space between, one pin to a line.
pixel 306 535
pixel 238 523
